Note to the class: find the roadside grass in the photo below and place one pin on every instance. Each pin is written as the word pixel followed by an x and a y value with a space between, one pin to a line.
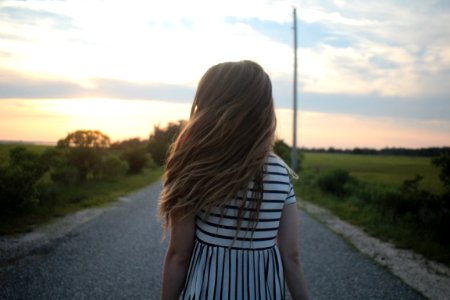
pixel 378 169
pixel 401 230
pixel 69 199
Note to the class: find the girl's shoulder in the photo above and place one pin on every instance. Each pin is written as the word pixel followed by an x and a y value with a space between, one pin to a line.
pixel 280 166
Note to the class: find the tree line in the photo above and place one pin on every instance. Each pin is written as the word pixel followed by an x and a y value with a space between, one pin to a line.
pixel 424 152
pixel 29 179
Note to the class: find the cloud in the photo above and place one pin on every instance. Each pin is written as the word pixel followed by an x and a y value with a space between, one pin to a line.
pixel 421 107
pixel 370 58
pixel 161 43
pixel 18 86
pixel 125 90
pixel 413 45
pixel 318 129
pixel 35 17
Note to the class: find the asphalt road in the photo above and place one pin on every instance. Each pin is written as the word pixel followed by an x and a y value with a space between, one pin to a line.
pixel 119 255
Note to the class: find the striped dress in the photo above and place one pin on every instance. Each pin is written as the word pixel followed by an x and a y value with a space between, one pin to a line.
pixel 248 266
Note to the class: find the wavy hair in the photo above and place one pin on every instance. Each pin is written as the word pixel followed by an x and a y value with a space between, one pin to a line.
pixel 224 145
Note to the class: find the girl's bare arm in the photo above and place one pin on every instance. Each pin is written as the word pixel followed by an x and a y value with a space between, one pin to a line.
pixel 176 263
pixel 288 243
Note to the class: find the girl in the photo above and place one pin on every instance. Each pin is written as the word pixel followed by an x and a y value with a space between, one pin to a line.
pixel 227 199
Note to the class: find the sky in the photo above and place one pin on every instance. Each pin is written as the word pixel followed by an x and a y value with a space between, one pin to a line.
pixel 370 73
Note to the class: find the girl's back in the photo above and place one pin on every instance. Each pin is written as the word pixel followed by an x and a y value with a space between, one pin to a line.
pixel 238 263
pixel 225 195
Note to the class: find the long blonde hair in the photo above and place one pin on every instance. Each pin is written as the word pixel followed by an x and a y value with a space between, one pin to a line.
pixel 224 145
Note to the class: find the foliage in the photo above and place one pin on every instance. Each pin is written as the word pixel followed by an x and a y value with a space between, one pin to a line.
pixel 113 167
pixel 406 214
pixel 335 182
pixel 132 143
pixel 85 139
pixel 68 199
pixel 18 180
pixel 161 139
pixel 84 150
pixel 137 159
pixel 380 170
pixel 65 174
pixel 37 184
pixel 134 151
pixel 443 162
pixel 284 151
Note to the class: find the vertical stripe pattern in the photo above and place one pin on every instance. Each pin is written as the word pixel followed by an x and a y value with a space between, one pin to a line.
pixel 247 265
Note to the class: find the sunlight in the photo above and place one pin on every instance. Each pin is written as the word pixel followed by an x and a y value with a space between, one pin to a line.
pixel 50 120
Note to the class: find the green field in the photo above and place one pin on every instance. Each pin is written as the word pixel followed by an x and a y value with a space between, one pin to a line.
pixel 388 170
pixel 377 203
pixel 5 148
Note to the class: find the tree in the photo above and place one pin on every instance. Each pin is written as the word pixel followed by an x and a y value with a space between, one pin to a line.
pixel 161 139
pixel 85 139
pixel 84 150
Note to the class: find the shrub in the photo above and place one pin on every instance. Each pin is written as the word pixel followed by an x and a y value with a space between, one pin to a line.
pixel 443 162
pixel 48 192
pixel 65 174
pixel 136 158
pixel 112 167
pixel 409 205
pixel 18 180
pixel 150 164
pixel 336 182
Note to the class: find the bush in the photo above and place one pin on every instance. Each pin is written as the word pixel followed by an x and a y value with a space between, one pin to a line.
pixel 48 192
pixel 336 182
pixel 18 180
pixel 150 164
pixel 409 205
pixel 136 158
pixel 65 174
pixel 443 162
pixel 112 167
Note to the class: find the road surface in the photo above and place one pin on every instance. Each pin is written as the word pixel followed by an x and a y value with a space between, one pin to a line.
pixel 119 255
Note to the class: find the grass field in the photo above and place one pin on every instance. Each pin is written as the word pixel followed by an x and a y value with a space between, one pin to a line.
pixel 379 174
pixel 389 170
pixel 5 148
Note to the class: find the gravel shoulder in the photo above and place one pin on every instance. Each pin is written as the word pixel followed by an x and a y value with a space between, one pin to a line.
pixel 13 247
pixel 430 278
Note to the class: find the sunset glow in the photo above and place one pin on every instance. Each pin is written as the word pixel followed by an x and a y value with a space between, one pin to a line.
pixel 370 73
pixel 50 120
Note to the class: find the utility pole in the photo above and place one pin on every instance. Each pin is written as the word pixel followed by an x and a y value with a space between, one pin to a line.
pixel 294 138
